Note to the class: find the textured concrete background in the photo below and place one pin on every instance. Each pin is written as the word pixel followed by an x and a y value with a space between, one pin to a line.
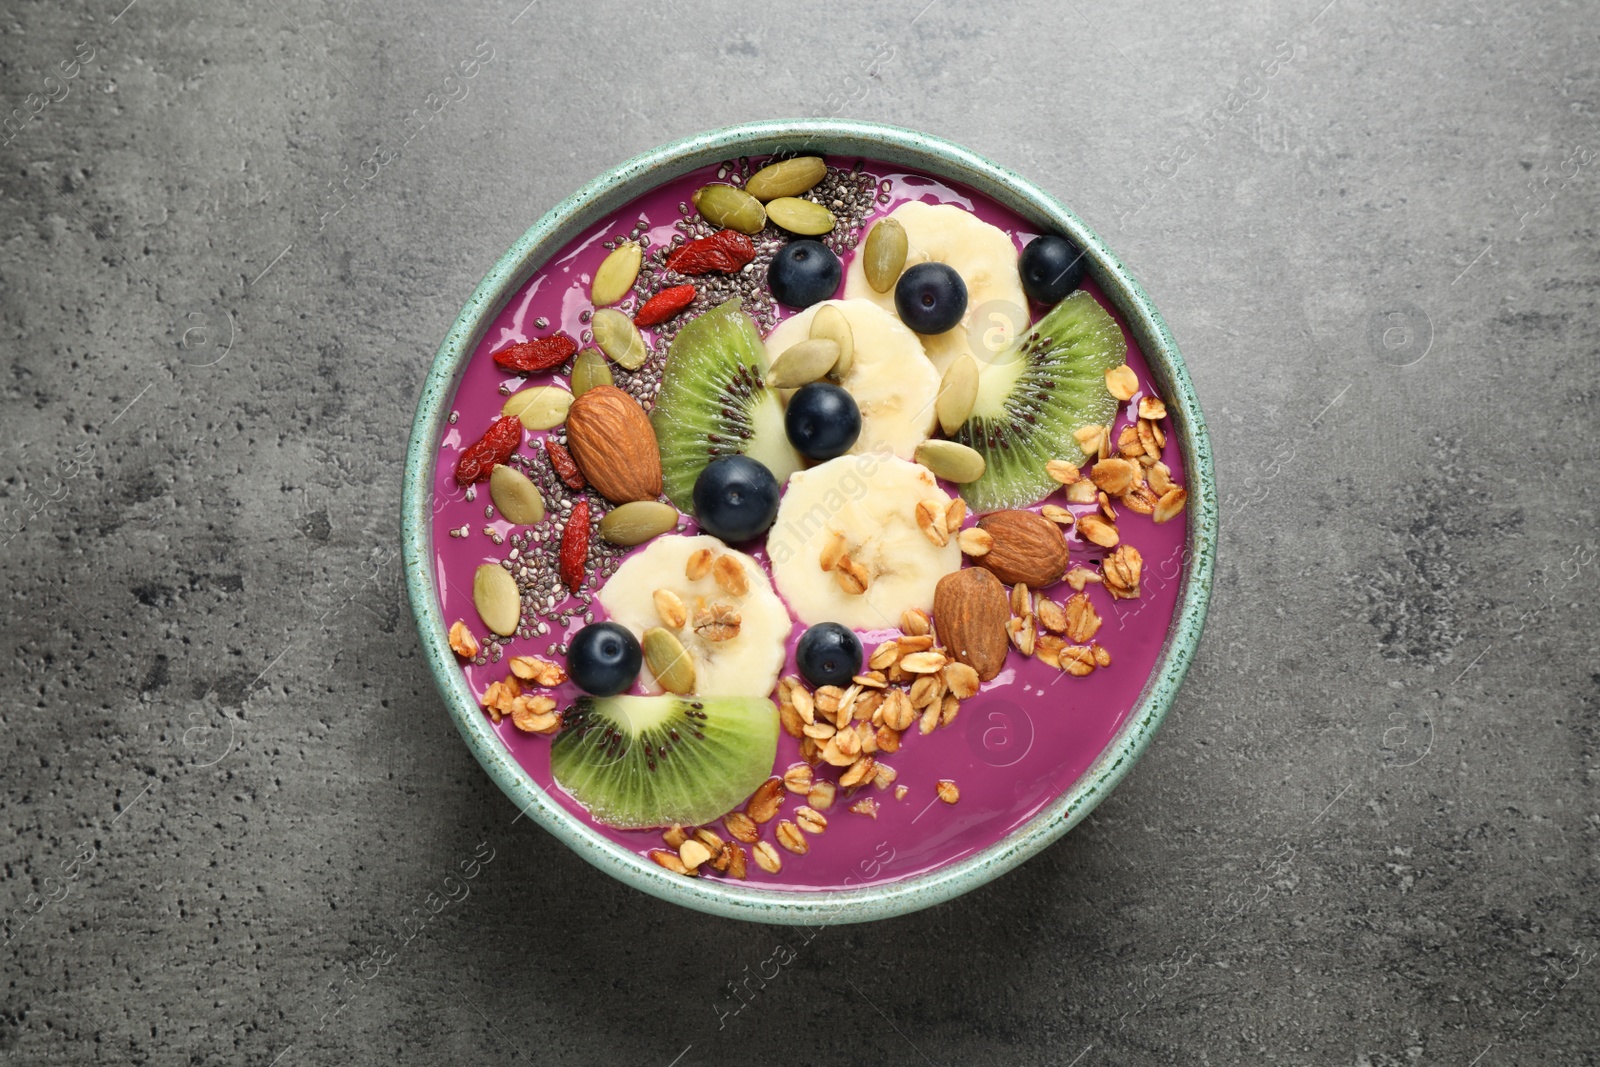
pixel 1367 834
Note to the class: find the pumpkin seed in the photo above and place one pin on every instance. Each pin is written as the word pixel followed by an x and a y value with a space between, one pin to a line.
pixel 616 274
pixel 804 217
pixel 730 207
pixel 829 324
pixel 802 363
pixel 958 391
pixel 540 407
pixel 885 254
pixel 499 604
pixel 664 654
pixel 518 499
pixel 787 177
pixel 619 338
pixel 951 460
pixel 589 370
pixel 637 521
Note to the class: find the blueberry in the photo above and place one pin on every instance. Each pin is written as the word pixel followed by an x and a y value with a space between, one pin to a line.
pixel 604 659
pixel 828 654
pixel 804 273
pixel 823 421
pixel 931 297
pixel 735 498
pixel 1051 267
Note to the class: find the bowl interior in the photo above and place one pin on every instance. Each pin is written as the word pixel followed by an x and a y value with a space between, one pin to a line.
pixel 596 201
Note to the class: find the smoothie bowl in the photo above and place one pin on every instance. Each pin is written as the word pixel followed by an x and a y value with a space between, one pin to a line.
pixel 808 521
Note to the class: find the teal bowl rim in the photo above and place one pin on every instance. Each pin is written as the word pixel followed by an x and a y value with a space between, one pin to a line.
pixel 594 202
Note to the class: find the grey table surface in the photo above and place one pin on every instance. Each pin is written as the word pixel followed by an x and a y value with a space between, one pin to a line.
pixel 1368 831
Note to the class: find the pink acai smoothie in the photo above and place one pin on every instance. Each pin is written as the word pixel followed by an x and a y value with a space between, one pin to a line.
pixel 1023 740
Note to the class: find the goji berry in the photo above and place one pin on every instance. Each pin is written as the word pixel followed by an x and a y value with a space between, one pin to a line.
pixel 538 354
pixel 725 251
pixel 664 305
pixel 575 545
pixel 493 448
pixel 565 466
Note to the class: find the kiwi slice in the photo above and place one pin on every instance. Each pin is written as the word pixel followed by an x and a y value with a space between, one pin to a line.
pixel 714 402
pixel 1033 395
pixel 637 762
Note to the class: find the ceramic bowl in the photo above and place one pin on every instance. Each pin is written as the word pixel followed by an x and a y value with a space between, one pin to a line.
pixel 616 188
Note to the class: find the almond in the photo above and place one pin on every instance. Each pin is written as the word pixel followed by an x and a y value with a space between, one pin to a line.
pixel 1027 547
pixel 611 438
pixel 971 609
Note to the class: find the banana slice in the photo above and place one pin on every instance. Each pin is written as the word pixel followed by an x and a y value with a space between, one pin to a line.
pixel 890 378
pixel 743 662
pixel 857 516
pixel 997 308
